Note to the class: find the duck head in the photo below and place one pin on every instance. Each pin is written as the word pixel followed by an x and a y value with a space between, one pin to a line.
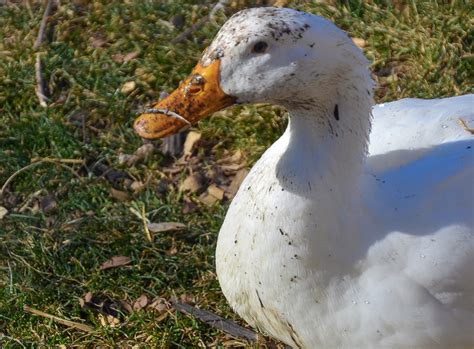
pixel 273 55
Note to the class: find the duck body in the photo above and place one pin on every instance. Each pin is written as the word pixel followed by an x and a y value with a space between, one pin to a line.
pixel 355 229
pixel 380 258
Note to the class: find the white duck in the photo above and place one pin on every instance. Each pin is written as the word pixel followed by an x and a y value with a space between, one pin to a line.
pixel 339 237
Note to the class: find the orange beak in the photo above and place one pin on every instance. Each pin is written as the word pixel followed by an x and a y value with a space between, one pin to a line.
pixel 195 98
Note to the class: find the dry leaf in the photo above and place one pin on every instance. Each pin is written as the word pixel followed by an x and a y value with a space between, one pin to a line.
pixel 361 43
pixel 215 191
pixel 3 212
pixel 165 226
pixel 191 140
pixel 187 298
pixel 119 195
pixel 208 199
pixel 235 157
pixel 126 306
pixel 115 261
pixel 231 168
pixel 236 182
pixel 97 41
pixel 121 58
pixel 280 3
pixel 140 303
pixel 88 296
pixel 108 320
pixel 137 186
pixel 172 251
pixel 212 195
pixel 233 343
pixel 128 87
pixel 193 183
pixel 160 305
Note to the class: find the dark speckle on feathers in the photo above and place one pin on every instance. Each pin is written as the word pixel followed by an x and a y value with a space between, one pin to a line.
pixel 336 112
pixel 259 299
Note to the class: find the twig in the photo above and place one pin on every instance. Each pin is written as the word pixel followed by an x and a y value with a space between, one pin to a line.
pixel 68 323
pixel 36 161
pixel 16 173
pixel 56 160
pixel 3 336
pixel 44 21
pixel 218 322
pixel 40 89
pixel 145 225
pixel 196 26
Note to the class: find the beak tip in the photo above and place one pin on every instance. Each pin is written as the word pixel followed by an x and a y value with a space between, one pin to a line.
pixel 142 127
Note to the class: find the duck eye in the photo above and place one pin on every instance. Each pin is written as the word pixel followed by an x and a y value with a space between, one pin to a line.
pixel 260 47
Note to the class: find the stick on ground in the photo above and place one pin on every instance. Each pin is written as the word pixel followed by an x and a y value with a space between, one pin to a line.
pixel 59 320
pixel 44 21
pixel 40 89
pixel 218 322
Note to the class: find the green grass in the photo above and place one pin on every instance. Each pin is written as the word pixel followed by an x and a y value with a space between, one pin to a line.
pixel 51 258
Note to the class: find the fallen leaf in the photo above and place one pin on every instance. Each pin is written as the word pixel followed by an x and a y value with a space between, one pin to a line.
pixel 121 58
pixel 137 186
pixel 280 3
pixel 215 191
pixel 361 43
pixel 140 303
pixel 193 183
pixel 119 195
pixel 88 296
pixel 3 212
pixel 191 140
pixel 128 87
pixel 235 157
pixel 97 41
pixel 108 320
pixel 114 262
pixel 234 343
pixel 172 251
pixel 208 199
pixel 165 226
pixel 159 305
pixel 231 168
pixel 126 306
pixel 236 182
pixel 187 298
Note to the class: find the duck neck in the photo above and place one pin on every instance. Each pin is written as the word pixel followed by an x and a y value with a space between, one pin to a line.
pixel 330 141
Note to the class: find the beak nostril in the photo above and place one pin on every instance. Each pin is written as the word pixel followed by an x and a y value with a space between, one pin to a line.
pixel 194 90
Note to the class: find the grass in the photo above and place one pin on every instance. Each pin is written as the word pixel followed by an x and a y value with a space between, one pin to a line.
pixel 62 221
